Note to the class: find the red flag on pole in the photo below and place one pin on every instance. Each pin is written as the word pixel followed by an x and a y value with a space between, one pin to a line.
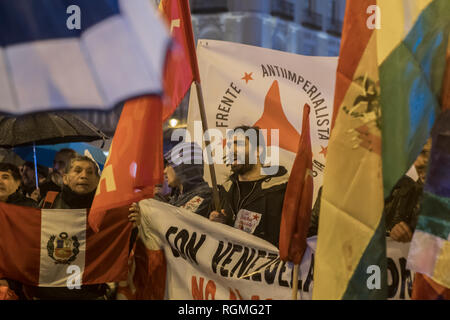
pixel 297 205
pixel 182 66
pixel 178 16
pixel 135 163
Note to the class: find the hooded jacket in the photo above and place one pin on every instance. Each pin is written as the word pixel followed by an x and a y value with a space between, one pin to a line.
pixel 196 194
pixel 263 205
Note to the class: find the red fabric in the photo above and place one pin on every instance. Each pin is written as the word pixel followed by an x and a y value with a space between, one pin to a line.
pixel 135 162
pixel 352 48
pixel 138 138
pixel 50 199
pixel 107 251
pixel 150 273
pixel 188 35
pixel 182 58
pixel 424 288
pixel 296 214
pixel 20 240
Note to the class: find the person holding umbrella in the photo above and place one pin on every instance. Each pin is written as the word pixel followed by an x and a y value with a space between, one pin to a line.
pixel 28 185
pixel 55 179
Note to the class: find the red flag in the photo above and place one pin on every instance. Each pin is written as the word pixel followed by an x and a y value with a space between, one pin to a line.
pixel 297 205
pixel 146 275
pixel 150 277
pixel 182 66
pixel 135 162
pixel 38 246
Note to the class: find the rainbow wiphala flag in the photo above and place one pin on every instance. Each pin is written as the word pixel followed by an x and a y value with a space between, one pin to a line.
pixel 387 98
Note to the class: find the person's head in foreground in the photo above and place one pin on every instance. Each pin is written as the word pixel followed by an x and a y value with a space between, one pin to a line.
pixel 82 175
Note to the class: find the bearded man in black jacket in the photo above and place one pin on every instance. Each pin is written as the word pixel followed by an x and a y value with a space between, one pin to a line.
pixel 252 197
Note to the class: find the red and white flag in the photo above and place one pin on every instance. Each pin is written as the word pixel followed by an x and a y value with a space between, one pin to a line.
pixel 56 248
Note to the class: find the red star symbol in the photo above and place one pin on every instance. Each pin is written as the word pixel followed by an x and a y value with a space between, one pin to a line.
pixel 255 217
pixel 324 151
pixel 247 77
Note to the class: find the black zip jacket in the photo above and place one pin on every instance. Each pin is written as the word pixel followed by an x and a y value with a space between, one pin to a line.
pixel 265 198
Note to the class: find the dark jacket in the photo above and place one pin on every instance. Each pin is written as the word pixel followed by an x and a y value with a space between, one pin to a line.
pixel 197 194
pixel 314 223
pixel 403 204
pixel 266 198
pixel 19 199
pixel 48 185
pixel 67 199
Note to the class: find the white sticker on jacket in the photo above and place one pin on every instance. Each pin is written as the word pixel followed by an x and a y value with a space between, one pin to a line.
pixel 247 220
pixel 193 204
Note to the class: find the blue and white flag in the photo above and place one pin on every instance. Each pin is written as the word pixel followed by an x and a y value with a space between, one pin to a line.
pixel 78 54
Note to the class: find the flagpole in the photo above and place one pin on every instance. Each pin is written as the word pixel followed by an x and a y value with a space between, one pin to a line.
pixel 445 95
pixel 295 282
pixel 186 12
pixel 35 166
pixel 212 172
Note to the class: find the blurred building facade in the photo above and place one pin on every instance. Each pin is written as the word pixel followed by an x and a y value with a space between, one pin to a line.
pixel 308 27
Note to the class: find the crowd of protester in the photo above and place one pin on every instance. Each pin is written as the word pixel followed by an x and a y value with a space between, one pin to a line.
pixel 72 182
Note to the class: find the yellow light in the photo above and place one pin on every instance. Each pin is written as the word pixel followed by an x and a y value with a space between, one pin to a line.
pixel 173 122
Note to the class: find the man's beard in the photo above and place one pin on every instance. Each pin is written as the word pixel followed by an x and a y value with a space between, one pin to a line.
pixel 241 168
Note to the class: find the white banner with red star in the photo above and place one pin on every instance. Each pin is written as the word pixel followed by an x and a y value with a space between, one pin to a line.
pixel 247 85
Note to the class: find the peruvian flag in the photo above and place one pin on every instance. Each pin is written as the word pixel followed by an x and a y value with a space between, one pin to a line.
pixel 296 214
pixel 56 247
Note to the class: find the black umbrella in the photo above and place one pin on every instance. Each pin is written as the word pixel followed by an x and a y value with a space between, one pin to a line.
pixel 46 128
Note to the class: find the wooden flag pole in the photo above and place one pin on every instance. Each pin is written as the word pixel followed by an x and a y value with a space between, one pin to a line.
pixel 295 282
pixel 187 24
pixel 201 104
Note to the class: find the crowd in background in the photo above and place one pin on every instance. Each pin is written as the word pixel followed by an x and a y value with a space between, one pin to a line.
pixel 72 181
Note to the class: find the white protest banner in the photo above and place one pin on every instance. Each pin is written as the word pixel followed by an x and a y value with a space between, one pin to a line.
pixel 211 261
pixel 400 279
pixel 248 85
